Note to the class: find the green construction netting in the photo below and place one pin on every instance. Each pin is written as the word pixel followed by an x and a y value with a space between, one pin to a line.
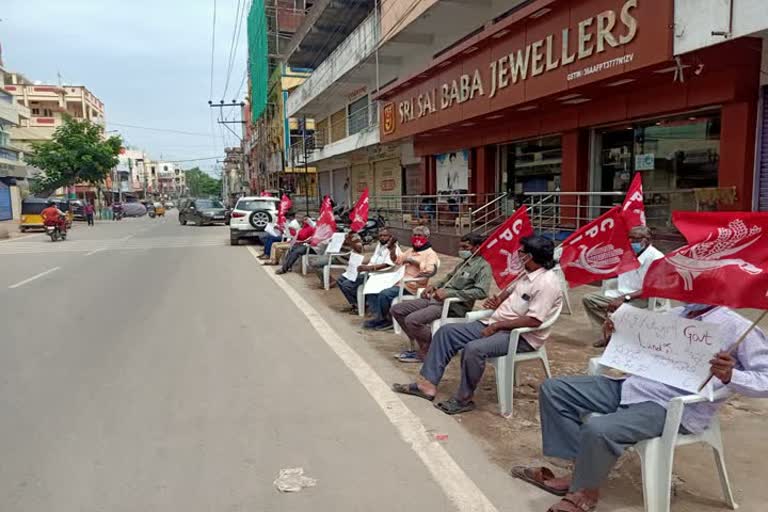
pixel 258 58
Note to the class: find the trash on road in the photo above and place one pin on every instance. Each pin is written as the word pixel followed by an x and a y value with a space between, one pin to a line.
pixel 441 437
pixel 293 480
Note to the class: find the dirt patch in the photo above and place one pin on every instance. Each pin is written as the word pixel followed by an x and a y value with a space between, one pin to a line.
pixel 517 440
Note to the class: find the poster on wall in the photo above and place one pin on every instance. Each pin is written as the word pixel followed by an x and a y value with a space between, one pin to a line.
pixel 453 172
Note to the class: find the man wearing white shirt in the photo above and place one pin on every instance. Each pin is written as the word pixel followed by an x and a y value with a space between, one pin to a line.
pixel 630 284
pixel 384 255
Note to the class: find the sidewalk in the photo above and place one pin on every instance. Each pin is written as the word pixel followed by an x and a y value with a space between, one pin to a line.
pixel 508 442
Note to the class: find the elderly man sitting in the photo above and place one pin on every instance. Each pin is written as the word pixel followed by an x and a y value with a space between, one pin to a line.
pixel 632 410
pixel 469 282
pixel 384 256
pixel 421 262
pixel 630 283
pixel 533 298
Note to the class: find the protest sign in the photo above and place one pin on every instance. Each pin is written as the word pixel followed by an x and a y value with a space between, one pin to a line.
pixel 662 347
pixel 383 280
pixel 336 242
pixel 355 260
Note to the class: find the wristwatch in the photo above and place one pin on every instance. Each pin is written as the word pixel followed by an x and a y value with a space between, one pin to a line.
pixel 627 298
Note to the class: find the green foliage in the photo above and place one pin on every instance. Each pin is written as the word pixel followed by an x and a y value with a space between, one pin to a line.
pixel 200 184
pixel 77 153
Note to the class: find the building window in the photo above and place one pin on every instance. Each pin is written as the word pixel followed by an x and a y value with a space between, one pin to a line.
pixel 35 111
pixel 165 168
pixel 677 157
pixel 47 112
pixel 357 115
pixel 531 166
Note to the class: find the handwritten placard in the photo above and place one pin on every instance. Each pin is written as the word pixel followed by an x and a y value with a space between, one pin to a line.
pixel 662 347
pixel 382 280
pixel 336 242
pixel 355 260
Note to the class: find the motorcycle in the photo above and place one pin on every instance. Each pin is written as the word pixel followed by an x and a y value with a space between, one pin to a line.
pixel 55 232
pixel 370 232
pixel 118 215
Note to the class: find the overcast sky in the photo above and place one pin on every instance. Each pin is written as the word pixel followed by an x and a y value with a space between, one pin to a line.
pixel 149 61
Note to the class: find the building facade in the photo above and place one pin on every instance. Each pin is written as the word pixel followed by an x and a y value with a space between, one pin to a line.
pixel 12 167
pixel 557 98
pixel 48 104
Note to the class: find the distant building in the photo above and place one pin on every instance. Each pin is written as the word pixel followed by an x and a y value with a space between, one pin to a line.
pixel 12 167
pixel 47 105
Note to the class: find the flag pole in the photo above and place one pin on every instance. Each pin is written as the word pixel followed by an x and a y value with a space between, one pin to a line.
pixel 741 339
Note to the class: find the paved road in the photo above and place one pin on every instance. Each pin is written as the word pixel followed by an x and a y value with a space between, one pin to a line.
pixel 147 366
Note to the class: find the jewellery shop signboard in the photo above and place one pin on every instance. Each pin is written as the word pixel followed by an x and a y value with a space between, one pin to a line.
pixel 541 53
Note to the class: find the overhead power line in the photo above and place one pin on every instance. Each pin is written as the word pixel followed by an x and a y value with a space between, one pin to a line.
pixel 169 130
pixel 213 48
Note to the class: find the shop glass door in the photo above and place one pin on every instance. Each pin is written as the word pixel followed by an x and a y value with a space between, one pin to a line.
pixel 678 158
pixel 530 166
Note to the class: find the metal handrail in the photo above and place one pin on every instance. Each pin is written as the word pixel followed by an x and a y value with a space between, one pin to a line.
pixel 491 203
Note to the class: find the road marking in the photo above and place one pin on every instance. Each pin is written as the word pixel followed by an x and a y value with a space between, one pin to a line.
pixel 456 484
pixel 38 276
pixel 20 237
pixel 95 251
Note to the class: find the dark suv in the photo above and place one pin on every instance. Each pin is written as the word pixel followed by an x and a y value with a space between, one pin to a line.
pixel 202 212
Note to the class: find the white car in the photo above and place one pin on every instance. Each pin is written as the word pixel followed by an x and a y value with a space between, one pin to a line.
pixel 250 217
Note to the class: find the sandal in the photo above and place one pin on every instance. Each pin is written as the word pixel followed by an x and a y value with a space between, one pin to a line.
pixel 538 477
pixel 574 502
pixel 411 389
pixel 453 406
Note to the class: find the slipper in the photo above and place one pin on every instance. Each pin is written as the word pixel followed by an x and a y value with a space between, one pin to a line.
pixel 574 502
pixel 538 477
pixel 411 389
pixel 453 406
pixel 410 358
pixel 404 353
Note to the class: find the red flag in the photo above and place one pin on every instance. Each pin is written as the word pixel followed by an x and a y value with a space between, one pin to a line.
pixel 285 206
pixel 724 263
pixel 265 193
pixel 500 249
pixel 326 225
pixel 359 214
pixel 633 209
pixel 599 250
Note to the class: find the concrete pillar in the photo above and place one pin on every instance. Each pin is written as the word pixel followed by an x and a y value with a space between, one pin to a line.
pixel 574 175
pixel 737 152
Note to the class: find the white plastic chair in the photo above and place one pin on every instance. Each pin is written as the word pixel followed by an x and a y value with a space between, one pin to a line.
pixel 657 454
pixel 564 287
pixel 505 365
pixel 655 304
pixel 330 265
pixel 402 297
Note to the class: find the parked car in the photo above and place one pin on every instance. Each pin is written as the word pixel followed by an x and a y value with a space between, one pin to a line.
pixel 77 207
pixel 250 217
pixel 134 210
pixel 202 212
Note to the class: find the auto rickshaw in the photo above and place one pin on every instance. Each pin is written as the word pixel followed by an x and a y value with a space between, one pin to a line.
pixel 159 209
pixel 31 207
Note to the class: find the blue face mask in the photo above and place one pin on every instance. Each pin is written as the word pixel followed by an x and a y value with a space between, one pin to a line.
pixel 638 247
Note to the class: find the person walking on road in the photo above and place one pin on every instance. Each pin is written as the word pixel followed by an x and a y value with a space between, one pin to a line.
pixel 89 213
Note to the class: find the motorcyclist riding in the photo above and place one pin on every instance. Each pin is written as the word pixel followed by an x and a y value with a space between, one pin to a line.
pixel 52 216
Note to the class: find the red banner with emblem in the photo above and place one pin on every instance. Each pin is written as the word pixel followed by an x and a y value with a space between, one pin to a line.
pixel 600 250
pixel 326 224
pixel 359 214
pixel 500 249
pixel 282 210
pixel 633 209
pixel 724 263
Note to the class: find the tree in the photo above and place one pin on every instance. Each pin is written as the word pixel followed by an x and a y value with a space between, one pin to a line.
pixel 77 153
pixel 201 184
